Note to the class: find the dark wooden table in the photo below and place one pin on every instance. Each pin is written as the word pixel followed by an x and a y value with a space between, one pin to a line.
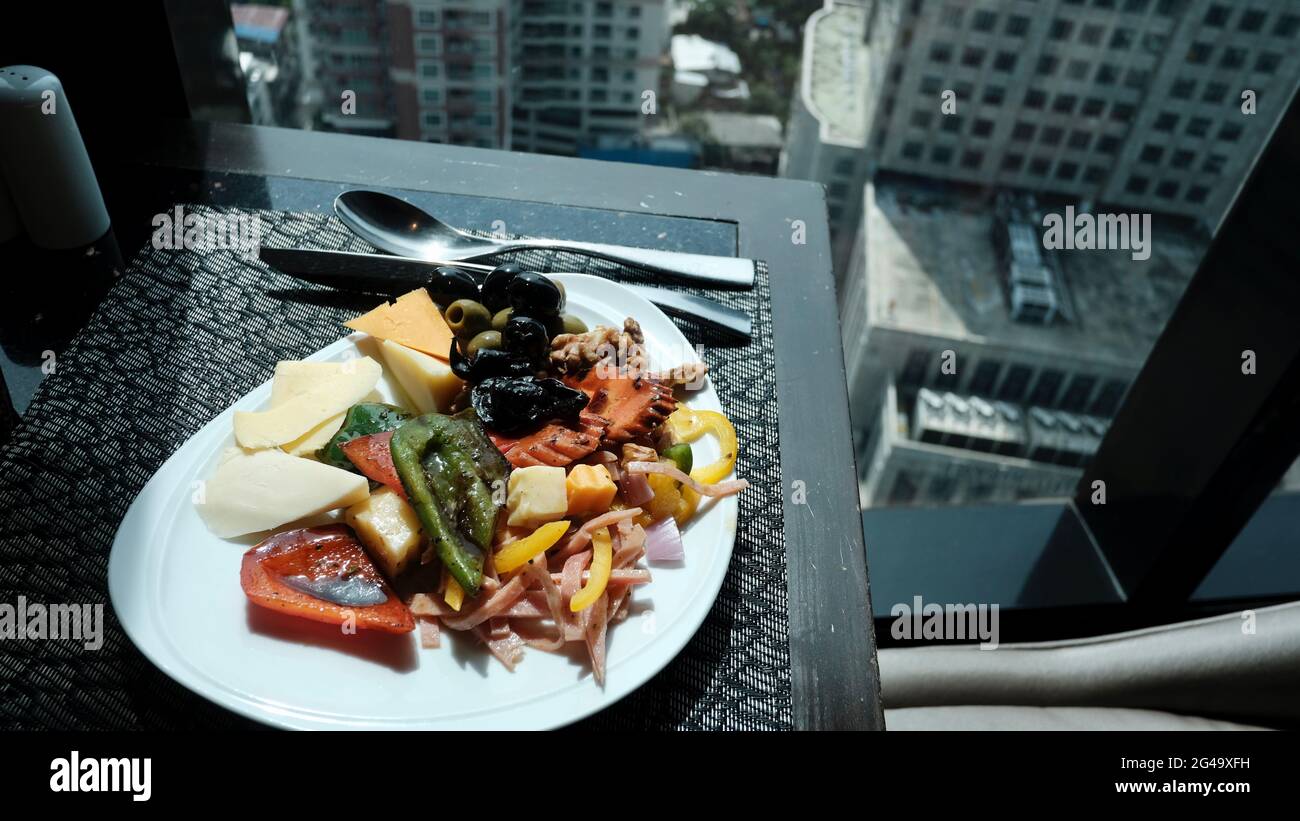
pixel 783 222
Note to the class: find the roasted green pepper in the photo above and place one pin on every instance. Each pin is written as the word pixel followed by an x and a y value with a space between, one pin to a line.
pixel 361 420
pixel 448 466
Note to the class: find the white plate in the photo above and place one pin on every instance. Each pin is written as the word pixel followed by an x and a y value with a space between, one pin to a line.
pixel 176 591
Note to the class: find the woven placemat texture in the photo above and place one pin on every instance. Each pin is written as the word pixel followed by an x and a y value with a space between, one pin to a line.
pixel 181 336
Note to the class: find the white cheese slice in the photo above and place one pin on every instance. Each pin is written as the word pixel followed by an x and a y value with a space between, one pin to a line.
pixel 428 382
pixel 319 436
pixel 299 414
pixel 295 376
pixel 267 488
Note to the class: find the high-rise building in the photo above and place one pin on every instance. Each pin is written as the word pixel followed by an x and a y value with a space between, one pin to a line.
pixel 928 305
pixel 826 136
pixel 1139 104
pixel 529 75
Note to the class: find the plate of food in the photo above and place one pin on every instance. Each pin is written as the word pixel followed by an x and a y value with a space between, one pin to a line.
pixel 503 506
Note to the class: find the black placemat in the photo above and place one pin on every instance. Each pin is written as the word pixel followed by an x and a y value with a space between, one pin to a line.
pixel 180 337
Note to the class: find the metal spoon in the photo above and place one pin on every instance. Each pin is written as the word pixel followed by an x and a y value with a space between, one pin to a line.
pixel 396 226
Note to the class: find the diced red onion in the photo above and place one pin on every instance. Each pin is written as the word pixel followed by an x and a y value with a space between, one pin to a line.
pixel 663 541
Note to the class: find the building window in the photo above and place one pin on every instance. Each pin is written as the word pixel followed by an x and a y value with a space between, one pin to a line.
pixel 1151 154
pixel 1136 78
pixel 953 15
pixel 984 20
pixel 994 95
pixel 1047 65
pixel 1182 159
pixel 1035 99
pixel 1094 174
pixel 1121 39
pixel 1108 398
pixel 1198 126
pixel 1017 25
pixel 1197 194
pixel 972 57
pixel 1214 164
pixel 1122 112
pixel 1039 166
pixel 952 123
pixel 1199 53
pixel 1049 382
pixel 1286 26
pixel 844 166
pixel 1064 103
pixel 941 154
pixel 1005 62
pixel 1167 190
pixel 940 53
pixel 1023 132
pixel 1076 395
pixel 433 120
pixel 1233 57
pixel 1166 121
pixel 1230 132
pixel 1079 140
pixel 1252 20
pixel 912 151
pixel 1267 62
pixel 1107 74
pixel 428 69
pixel 986 374
pixel 1078 70
pixel 1093 106
pixel 1061 29
pixel 1067 171
pixel 982 128
pixel 972 160
pixel 931 84
pixel 1091 34
pixel 1137 184
pixel 1217 16
pixel 1182 89
pixel 1108 144
pixel 1013 386
pixel 426 18
pixel 1052 135
pixel 1013 162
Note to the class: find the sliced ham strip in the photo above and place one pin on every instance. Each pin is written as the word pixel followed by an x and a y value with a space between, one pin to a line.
pixel 631 575
pixel 727 488
pixel 508 650
pixel 495 605
pixel 430 637
pixel 580 539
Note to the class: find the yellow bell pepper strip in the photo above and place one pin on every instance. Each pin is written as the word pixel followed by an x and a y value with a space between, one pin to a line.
pixel 602 559
pixel 452 593
pixel 521 551
pixel 688 425
pixel 686 505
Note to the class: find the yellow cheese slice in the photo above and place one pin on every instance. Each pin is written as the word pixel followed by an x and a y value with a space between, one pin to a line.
pixel 267 488
pixel 413 320
pixel 319 436
pixel 428 382
pixel 300 414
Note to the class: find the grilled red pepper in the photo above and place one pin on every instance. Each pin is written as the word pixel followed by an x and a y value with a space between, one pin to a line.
pixel 323 574
pixel 374 458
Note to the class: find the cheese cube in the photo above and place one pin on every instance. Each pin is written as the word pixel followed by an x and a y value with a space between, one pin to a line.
pixel 536 495
pixel 428 382
pixel 590 489
pixel 267 488
pixel 389 530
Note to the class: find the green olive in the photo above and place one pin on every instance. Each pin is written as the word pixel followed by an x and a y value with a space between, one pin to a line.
pixel 483 340
pixel 467 318
pixel 499 321
pixel 680 455
pixel 573 325
pixel 564 298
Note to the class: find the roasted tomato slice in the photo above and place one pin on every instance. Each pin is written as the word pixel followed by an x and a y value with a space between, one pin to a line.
pixel 373 456
pixel 322 574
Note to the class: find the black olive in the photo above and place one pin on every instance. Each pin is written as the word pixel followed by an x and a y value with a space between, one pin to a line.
pixel 514 404
pixel 490 362
pixel 459 364
pixel 532 294
pixel 527 338
pixel 495 293
pixel 450 284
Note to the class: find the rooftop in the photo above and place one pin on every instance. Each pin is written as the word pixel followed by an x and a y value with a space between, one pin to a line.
pixel 833 77
pixel 692 52
pixel 743 130
pixel 933 270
